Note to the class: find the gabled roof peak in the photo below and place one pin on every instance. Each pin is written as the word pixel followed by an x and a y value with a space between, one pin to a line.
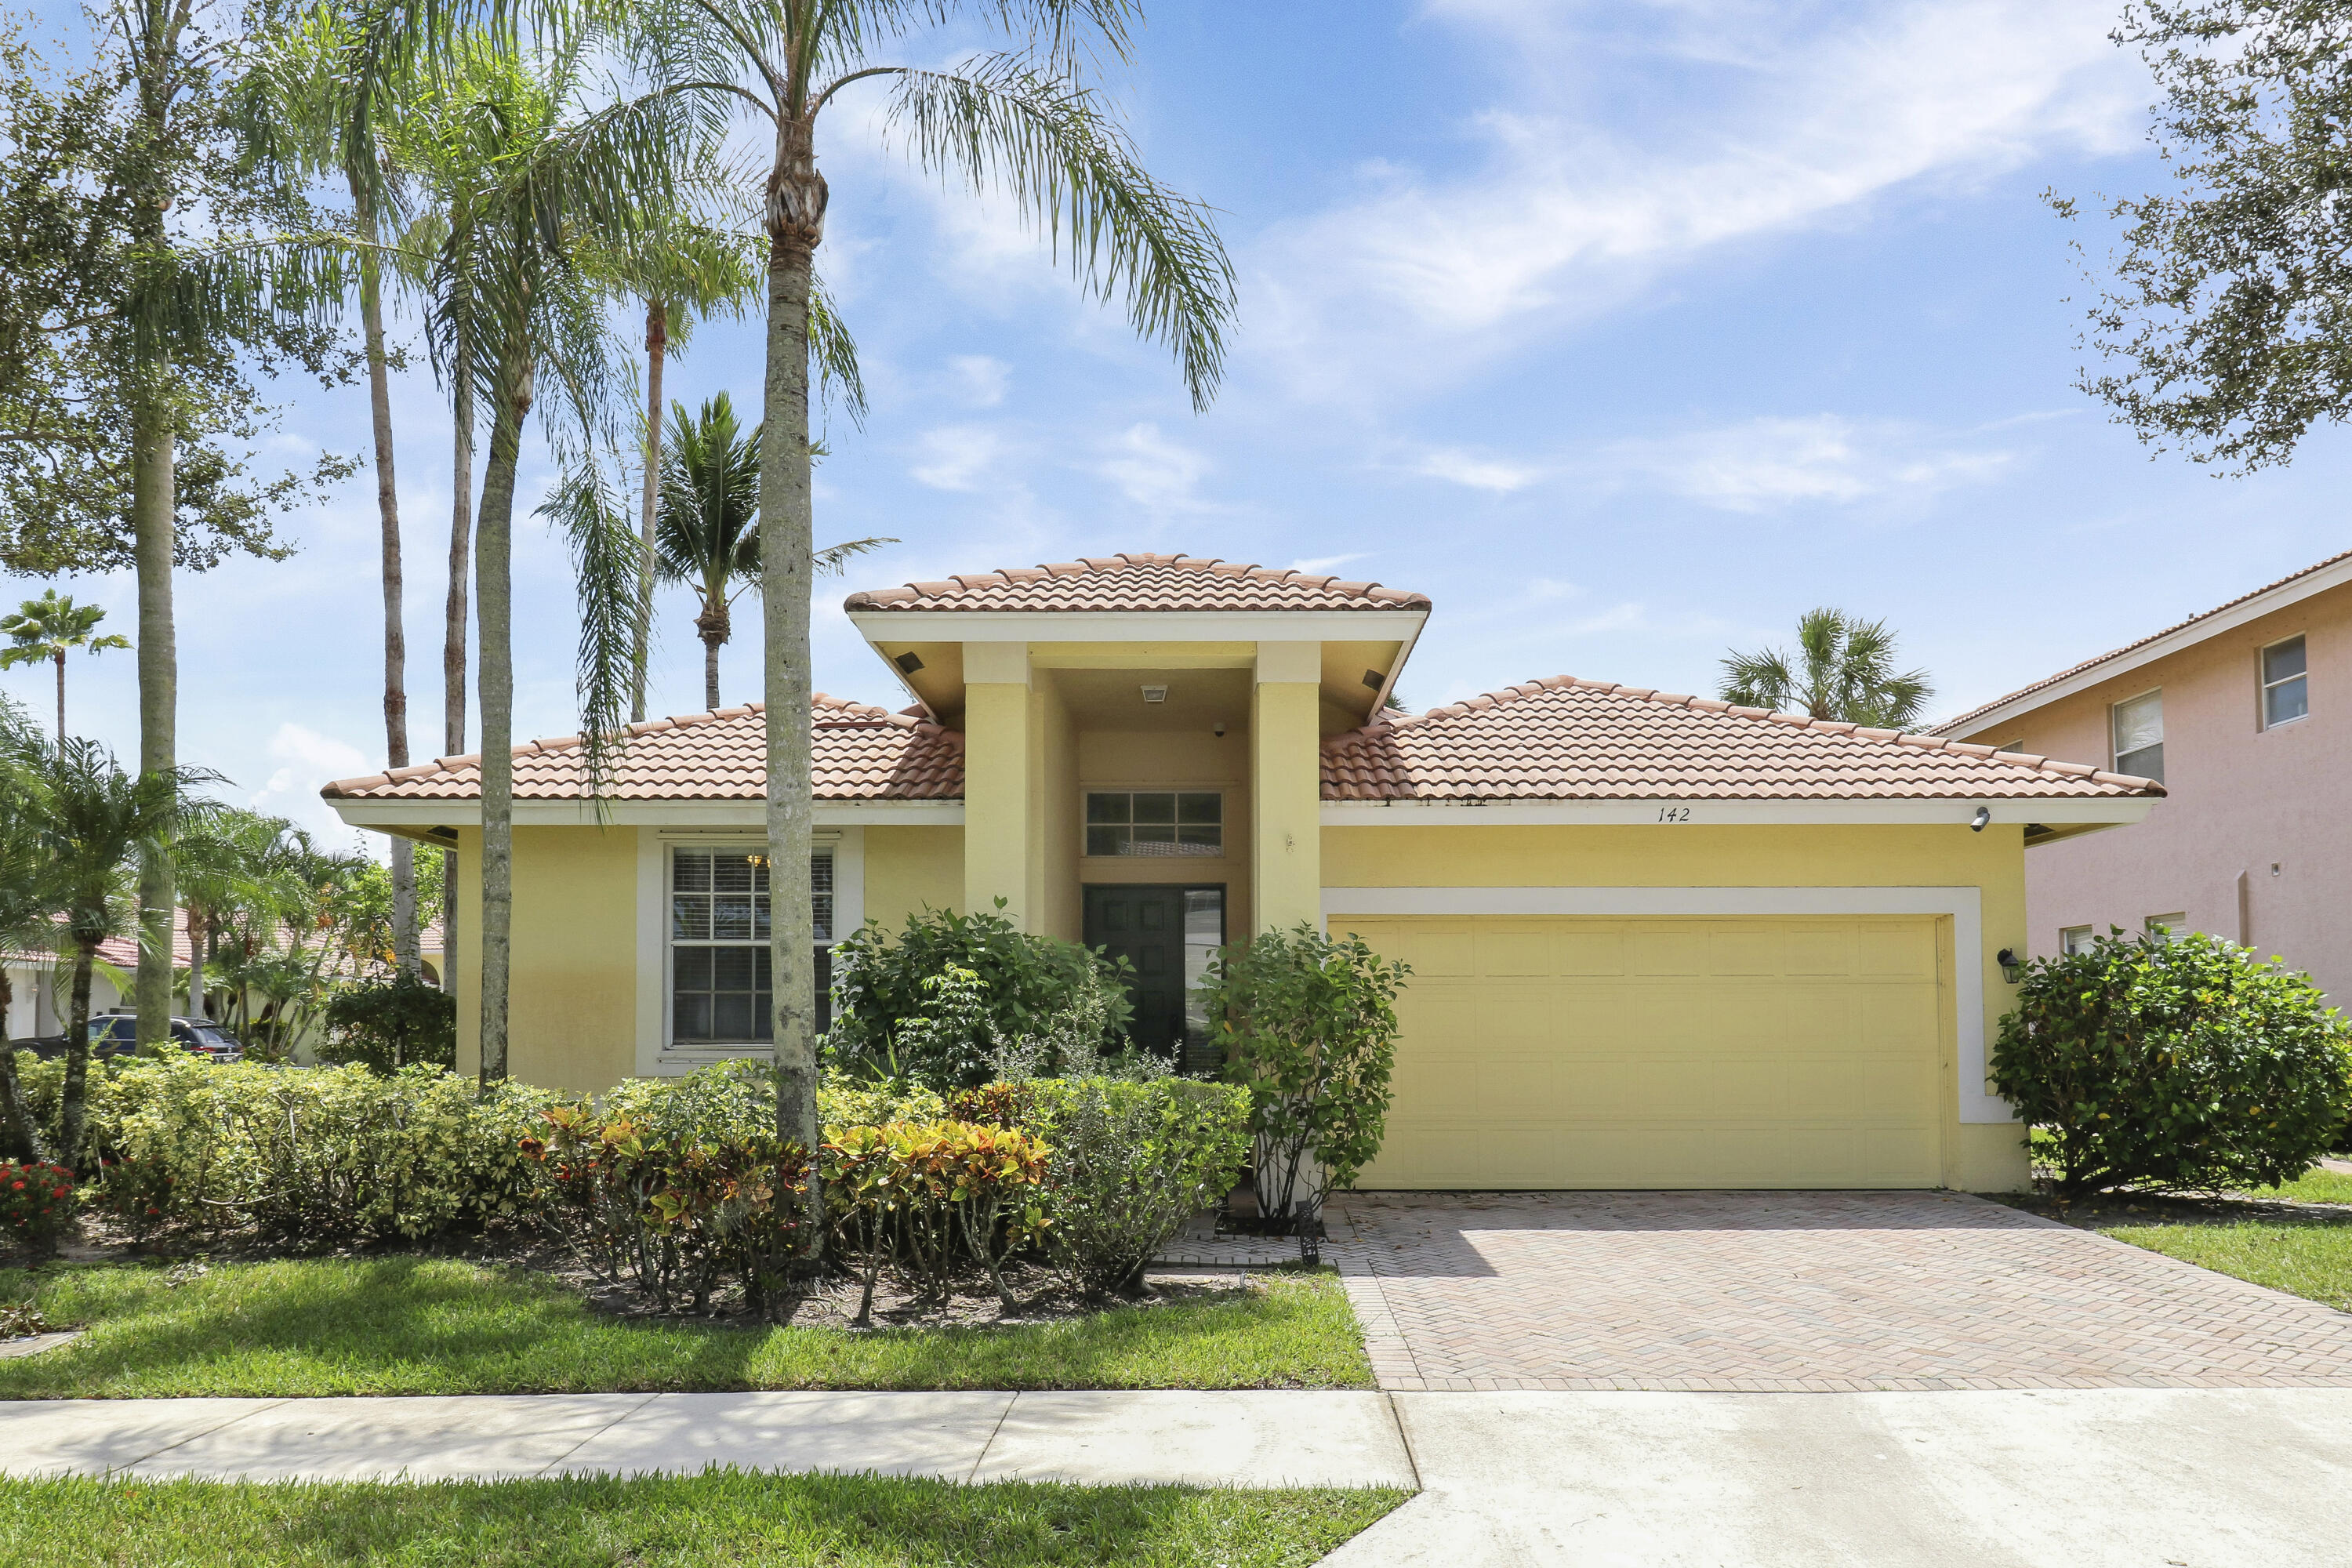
pixel 1138 580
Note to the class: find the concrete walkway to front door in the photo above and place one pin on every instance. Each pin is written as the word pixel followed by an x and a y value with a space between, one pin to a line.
pixel 1792 1291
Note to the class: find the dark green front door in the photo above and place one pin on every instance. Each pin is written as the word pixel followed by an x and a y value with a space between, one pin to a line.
pixel 1168 935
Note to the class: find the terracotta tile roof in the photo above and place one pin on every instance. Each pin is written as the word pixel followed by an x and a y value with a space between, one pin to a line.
pixel 861 754
pixel 1564 739
pixel 1139 582
pixel 1952 726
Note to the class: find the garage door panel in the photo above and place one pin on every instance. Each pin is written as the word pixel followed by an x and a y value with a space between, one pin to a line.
pixel 1611 1052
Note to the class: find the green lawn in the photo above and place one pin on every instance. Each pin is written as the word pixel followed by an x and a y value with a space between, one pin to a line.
pixel 2316 1186
pixel 714 1519
pixel 2314 1261
pixel 420 1325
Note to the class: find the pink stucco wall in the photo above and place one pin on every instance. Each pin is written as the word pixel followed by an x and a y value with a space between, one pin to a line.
pixel 2270 804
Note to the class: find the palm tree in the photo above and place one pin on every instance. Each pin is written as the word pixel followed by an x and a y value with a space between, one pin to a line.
pixel 96 822
pixel 1020 120
pixel 49 627
pixel 319 117
pixel 707 535
pixel 225 871
pixel 549 190
pixel 31 899
pixel 1844 671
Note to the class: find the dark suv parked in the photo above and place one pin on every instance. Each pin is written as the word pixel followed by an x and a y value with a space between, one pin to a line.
pixel 117 1034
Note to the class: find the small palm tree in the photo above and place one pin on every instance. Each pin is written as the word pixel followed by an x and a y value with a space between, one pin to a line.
pixel 708 532
pixel 96 824
pixel 49 627
pixel 30 901
pixel 1844 671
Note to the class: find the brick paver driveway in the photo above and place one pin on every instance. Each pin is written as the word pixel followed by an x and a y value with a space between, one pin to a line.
pixel 1823 1291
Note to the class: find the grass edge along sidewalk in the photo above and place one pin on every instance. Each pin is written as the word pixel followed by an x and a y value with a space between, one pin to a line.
pixel 721 1517
pixel 400 1325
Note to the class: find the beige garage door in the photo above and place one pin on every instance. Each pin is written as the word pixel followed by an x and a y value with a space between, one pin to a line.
pixel 1611 1052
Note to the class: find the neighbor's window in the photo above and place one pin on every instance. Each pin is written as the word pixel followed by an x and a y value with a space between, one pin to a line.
pixel 1147 822
pixel 2286 689
pixel 2139 736
pixel 2161 927
pixel 721 986
pixel 2075 939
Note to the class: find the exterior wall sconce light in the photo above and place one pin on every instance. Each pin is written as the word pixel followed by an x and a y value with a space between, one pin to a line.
pixel 1983 816
pixel 2012 968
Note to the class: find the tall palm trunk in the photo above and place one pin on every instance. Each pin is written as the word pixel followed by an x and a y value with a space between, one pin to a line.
pixel 453 647
pixel 395 635
pixel 154 504
pixel 715 626
pixel 795 224
pixel 73 1109
pixel 493 584
pixel 61 698
pixel 657 350
pixel 19 1138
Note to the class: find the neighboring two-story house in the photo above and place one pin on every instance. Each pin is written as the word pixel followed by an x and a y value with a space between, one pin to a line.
pixel 2242 712
pixel 1657 941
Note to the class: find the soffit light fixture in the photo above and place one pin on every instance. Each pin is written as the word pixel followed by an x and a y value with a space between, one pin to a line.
pixel 1155 694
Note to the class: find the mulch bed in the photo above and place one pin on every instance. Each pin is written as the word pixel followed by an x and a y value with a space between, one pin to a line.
pixel 1038 1294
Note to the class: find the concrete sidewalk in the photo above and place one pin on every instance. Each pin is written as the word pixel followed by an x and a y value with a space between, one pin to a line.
pixel 1238 1439
pixel 2053 1479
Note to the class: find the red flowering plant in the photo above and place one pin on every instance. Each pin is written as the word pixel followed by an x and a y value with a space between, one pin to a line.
pixel 36 1202
pixel 135 1194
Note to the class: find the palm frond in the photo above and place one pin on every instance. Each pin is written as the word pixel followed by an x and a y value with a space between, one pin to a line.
pixel 605 558
pixel 834 352
pixel 1051 144
pixel 831 559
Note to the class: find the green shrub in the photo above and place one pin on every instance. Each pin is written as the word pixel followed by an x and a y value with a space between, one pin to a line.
pixel 883 984
pixel 1308 1024
pixel 388 1024
pixel 2183 1062
pixel 36 1204
pixel 675 1215
pixel 936 1194
pixel 1130 1162
pixel 304 1153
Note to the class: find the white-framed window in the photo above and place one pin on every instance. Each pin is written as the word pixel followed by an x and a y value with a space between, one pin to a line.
pixel 2286 683
pixel 2139 730
pixel 720 971
pixel 1155 822
pixel 2075 939
pixel 2161 927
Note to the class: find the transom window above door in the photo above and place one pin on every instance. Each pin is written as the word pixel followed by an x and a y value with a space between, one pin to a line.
pixel 1155 822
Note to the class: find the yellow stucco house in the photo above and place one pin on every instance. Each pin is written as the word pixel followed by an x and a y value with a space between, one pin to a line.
pixel 1657 941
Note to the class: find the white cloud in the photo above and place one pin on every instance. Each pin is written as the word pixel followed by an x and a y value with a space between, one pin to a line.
pixel 980 380
pixel 1327 563
pixel 1151 471
pixel 306 762
pixel 1458 466
pixel 956 457
pixel 1764 464
pixel 1422 278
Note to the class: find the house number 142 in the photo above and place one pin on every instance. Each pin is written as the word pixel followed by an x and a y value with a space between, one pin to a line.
pixel 1674 813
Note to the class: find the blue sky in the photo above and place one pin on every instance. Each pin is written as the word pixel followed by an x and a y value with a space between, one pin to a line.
pixel 1627 333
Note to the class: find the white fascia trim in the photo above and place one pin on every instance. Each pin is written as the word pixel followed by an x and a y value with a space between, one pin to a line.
pixel 2172 642
pixel 1720 813
pixel 1964 905
pixel 642 813
pixel 878 627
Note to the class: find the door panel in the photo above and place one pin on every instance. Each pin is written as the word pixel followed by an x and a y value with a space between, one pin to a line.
pixel 1622 1052
pixel 1167 934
